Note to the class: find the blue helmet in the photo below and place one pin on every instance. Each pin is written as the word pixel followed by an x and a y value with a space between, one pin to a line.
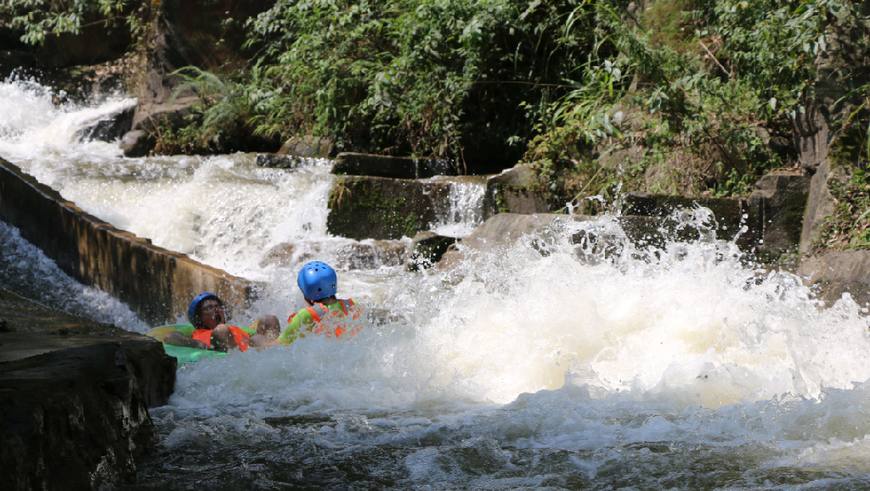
pixel 193 309
pixel 317 280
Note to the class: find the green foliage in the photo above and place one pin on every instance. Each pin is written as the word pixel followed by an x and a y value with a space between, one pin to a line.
pixel 221 116
pixel 771 45
pixel 39 18
pixel 419 76
pixel 704 98
pixel 651 118
pixel 671 23
pixel 848 227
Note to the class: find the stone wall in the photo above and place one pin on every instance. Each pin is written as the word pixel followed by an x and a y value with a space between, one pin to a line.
pixel 364 164
pixel 363 207
pixel 838 272
pixel 777 206
pixel 156 283
pixel 514 190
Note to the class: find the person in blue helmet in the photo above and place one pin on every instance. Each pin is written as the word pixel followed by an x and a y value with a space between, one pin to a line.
pixel 210 328
pixel 325 314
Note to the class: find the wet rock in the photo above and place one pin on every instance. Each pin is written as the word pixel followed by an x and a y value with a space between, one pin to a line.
pixel 598 239
pixel 156 117
pixel 281 254
pixel 369 254
pixel 155 283
pixel 362 164
pixel 372 254
pixel 307 147
pixel 111 129
pixel 837 272
pixel 730 213
pixel 136 143
pixel 507 228
pixel 427 249
pixel 277 161
pixel 546 231
pixel 515 190
pixel 777 208
pixel 363 207
pixel 75 395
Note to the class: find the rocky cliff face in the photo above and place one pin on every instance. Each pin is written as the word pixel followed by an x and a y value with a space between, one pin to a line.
pixel 75 398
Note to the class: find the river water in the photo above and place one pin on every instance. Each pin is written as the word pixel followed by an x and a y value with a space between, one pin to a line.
pixel 524 367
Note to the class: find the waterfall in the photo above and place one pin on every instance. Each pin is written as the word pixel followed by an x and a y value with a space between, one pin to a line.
pixel 464 208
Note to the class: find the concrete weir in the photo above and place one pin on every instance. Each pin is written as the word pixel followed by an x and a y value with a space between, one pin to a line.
pixel 156 283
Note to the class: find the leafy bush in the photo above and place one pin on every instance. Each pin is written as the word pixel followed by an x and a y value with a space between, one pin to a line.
pixel 652 118
pixel 221 119
pixel 688 97
pixel 39 18
pixel 848 226
pixel 429 77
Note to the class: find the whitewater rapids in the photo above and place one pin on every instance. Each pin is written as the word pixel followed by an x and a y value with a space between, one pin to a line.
pixel 687 366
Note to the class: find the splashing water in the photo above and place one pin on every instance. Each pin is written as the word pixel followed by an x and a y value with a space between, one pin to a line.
pixel 543 363
pixel 34 128
pixel 464 209
pixel 26 270
pixel 522 369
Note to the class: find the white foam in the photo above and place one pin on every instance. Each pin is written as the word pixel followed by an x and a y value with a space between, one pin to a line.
pixel 34 128
pixel 25 269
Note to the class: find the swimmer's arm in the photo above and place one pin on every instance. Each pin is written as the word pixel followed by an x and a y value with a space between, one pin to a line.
pixel 179 339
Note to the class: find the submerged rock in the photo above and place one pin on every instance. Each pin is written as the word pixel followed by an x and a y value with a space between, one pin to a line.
pixel 546 229
pixel 278 161
pixel 75 398
pixel 353 255
pixel 427 248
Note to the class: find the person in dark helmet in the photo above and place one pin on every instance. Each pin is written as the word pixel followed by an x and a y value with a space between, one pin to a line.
pixel 325 314
pixel 208 316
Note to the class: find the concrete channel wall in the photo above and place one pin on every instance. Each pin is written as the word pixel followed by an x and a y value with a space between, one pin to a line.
pixel 156 283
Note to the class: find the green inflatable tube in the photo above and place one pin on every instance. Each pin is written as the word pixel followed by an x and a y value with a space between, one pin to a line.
pixel 186 355
pixel 183 354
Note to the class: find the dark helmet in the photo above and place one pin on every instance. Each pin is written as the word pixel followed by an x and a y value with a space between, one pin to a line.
pixel 193 313
pixel 317 280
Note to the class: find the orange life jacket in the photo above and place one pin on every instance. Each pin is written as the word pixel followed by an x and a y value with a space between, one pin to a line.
pixel 320 312
pixel 241 337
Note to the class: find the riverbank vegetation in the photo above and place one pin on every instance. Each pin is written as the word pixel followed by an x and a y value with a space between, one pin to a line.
pixel 690 97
